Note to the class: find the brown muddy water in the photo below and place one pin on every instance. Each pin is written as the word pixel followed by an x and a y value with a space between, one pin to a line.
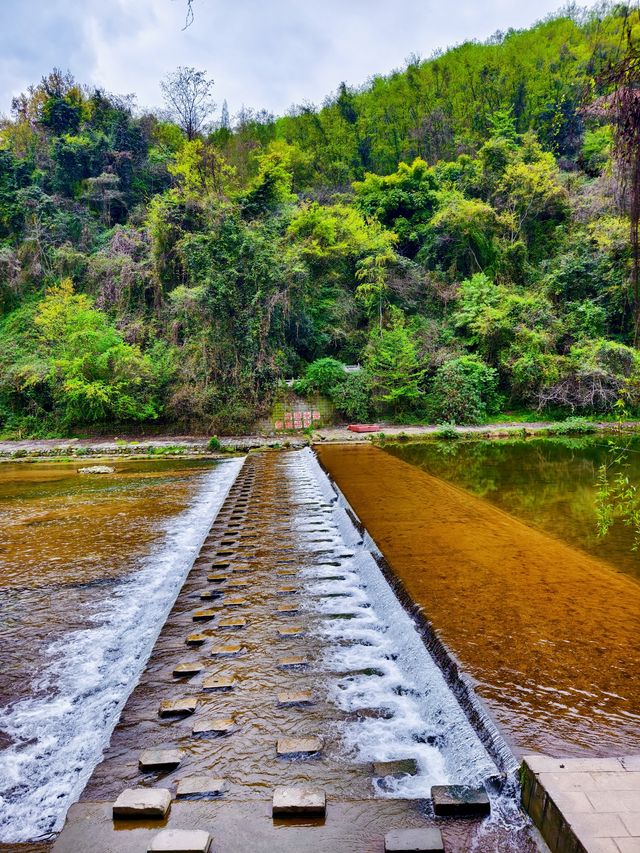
pixel 549 632
pixel 89 565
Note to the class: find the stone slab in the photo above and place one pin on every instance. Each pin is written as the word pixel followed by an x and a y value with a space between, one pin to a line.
pixel 401 767
pixel 142 803
pixel 217 578
pixel 188 669
pixel 459 800
pixel 226 650
pixel 235 601
pixel 196 639
pixel 299 746
pixel 200 786
pixel 214 726
pixel 233 622
pixel 180 841
pixel 291 631
pixel 293 661
pixel 159 759
pixel 295 697
pixel 298 800
pixel 428 840
pixel 203 615
pixel 218 682
pixel 175 707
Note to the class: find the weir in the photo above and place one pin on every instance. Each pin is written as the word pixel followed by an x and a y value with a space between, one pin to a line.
pixel 290 702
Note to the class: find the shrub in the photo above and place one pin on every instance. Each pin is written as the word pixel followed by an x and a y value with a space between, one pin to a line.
pixel 321 376
pixel 214 443
pixel 352 397
pixel 573 426
pixel 448 432
pixel 463 391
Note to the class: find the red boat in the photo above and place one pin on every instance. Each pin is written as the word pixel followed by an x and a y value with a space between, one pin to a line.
pixel 364 427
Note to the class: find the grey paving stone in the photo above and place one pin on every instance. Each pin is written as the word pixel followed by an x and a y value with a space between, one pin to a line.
pixel 298 800
pixel 459 800
pixel 200 786
pixel 299 746
pixel 180 841
pixel 186 670
pixel 400 767
pixel 174 707
pixel 215 726
pixel 142 802
pixel 427 840
pixel 159 759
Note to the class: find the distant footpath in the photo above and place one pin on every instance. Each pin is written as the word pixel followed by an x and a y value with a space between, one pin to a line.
pixel 189 445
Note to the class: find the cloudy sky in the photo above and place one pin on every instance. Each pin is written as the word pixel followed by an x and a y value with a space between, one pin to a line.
pixel 261 53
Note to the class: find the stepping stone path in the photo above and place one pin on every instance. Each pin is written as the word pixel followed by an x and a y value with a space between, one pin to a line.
pixel 264 739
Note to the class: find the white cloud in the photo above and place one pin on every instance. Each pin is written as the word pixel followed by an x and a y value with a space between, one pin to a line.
pixel 261 54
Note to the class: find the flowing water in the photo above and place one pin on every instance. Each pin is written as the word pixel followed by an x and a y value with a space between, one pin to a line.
pixel 89 567
pixel 549 632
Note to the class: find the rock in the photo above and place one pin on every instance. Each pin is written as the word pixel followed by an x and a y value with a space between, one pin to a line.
pixel 174 707
pixel 97 469
pixel 426 840
pixel 142 802
pixel 295 746
pixel 232 622
pixel 159 759
pixel 200 786
pixel 180 841
pixel 298 800
pixel 285 609
pixel 402 767
pixel 459 800
pixel 234 601
pixel 216 578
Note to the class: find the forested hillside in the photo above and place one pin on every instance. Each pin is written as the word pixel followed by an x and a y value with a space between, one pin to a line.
pixel 460 228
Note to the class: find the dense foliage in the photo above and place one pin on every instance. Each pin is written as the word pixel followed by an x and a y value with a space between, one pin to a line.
pixel 456 228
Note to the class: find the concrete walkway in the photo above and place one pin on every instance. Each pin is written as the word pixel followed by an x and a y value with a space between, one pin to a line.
pixel 584 805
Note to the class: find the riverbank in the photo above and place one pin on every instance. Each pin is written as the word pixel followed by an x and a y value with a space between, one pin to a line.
pixel 189 445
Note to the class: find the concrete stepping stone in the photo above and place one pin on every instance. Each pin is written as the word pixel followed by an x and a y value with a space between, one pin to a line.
pixel 218 682
pixel 287 590
pixel 214 726
pixel 226 650
pixel 187 670
pixel 238 583
pixel 180 841
pixel 298 800
pixel 196 787
pixel 210 594
pixel 298 745
pixel 216 578
pixel 175 707
pixel 159 759
pixel 287 572
pixel 142 802
pixel 291 631
pixel 295 697
pixel 242 568
pixel 203 615
pixel 397 769
pixel 286 609
pixel 293 661
pixel 424 840
pixel 196 639
pixel 233 622
pixel 220 564
pixel 234 601
pixel 459 800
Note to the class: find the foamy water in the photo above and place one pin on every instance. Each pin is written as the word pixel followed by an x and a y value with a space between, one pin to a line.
pixel 386 667
pixel 59 736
